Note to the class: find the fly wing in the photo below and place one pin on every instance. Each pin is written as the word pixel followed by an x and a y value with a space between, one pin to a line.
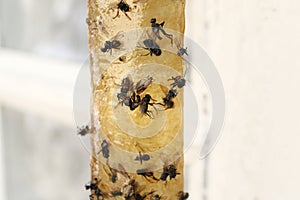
pixel 142 85
pixel 117 38
pixel 123 171
pixel 177 43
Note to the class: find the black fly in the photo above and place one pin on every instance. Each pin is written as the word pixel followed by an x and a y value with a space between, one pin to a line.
pixel 113 173
pixel 145 104
pixel 116 193
pixel 142 157
pixel 157 28
pixel 95 190
pixel 129 93
pixel 152 47
pixel 183 195
pixel 110 45
pixel 124 7
pixel 132 102
pixel 104 149
pixel 181 50
pixel 179 81
pixel 84 130
pixel 169 170
pixel 156 197
pixel 168 100
pixel 142 85
pixel 146 174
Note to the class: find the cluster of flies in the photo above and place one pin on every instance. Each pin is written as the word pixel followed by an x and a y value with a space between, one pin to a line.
pixel 130 190
pixel 150 44
pixel 130 95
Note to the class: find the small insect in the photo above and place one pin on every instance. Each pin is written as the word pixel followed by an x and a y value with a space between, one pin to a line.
pixel 84 130
pixel 157 28
pixel 110 45
pixel 95 190
pixel 142 157
pixel 169 170
pixel 152 47
pixel 144 105
pixel 156 197
pixel 113 173
pixel 146 174
pixel 179 81
pixel 143 84
pixel 122 58
pixel 129 94
pixel 116 193
pixel 181 50
pixel 183 195
pixel 127 101
pixel 104 149
pixel 168 102
pixel 124 7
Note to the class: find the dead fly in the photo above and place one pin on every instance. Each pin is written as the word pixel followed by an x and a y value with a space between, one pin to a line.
pixel 169 170
pixel 168 100
pixel 114 43
pixel 179 81
pixel 183 195
pixel 181 50
pixel 84 130
pixel 104 149
pixel 143 84
pixel 129 93
pixel 145 105
pixel 142 157
pixel 152 47
pixel 116 193
pixel 146 174
pixel 132 102
pixel 95 190
pixel 124 7
pixel 156 197
pixel 110 45
pixel 157 28
pixel 113 173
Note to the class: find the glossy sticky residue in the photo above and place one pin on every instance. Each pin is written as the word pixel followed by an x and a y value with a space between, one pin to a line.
pixel 137 116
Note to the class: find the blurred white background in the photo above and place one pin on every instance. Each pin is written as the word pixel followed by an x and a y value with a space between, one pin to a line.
pixel 255 46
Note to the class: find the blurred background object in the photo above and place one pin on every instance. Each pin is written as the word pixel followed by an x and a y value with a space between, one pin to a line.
pixel 255 46
pixel 43 45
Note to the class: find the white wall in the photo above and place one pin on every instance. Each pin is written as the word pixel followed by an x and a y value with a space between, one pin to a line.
pixel 255 46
